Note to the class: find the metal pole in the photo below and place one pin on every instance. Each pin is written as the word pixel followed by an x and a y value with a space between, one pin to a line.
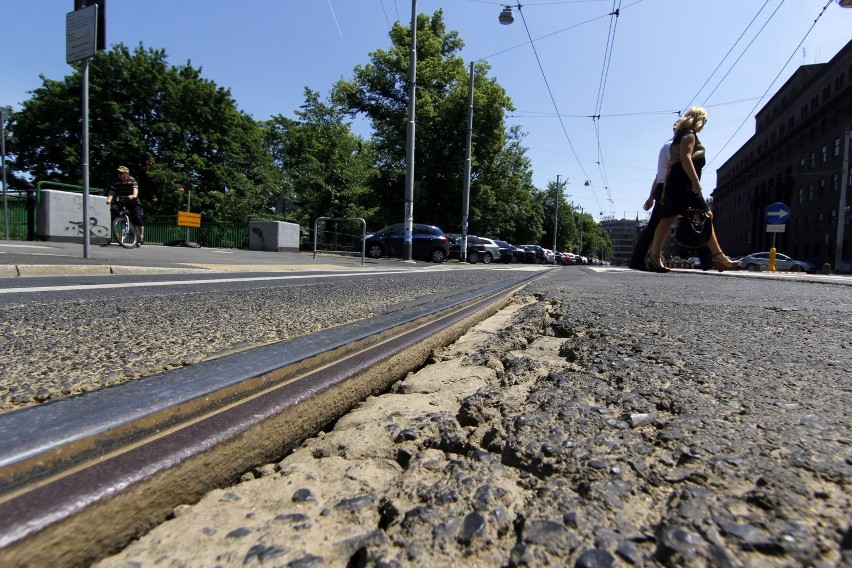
pixel 408 221
pixel 581 231
pixel 841 207
pixel 4 112
pixel 555 211
pixel 466 193
pixel 85 98
pixel 188 197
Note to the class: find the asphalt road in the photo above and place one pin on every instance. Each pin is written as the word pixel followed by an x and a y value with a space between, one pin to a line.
pixel 611 418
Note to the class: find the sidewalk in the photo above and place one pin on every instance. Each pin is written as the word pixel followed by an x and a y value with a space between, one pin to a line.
pixel 38 258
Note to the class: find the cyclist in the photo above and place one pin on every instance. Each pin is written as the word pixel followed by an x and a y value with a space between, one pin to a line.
pixel 126 188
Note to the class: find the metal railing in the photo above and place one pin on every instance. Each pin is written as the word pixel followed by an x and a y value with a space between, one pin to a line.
pixel 337 237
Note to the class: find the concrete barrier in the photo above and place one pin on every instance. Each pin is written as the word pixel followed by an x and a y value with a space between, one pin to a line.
pixel 60 217
pixel 274 236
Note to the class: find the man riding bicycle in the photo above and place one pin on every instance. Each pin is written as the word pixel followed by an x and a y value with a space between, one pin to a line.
pixel 125 188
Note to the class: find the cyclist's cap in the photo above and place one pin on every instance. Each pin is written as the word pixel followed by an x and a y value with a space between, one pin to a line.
pixel 123 170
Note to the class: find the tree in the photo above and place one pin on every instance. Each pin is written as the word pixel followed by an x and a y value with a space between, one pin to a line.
pixel 325 167
pixel 379 90
pixel 171 127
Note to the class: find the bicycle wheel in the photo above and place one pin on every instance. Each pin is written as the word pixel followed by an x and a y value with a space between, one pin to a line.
pixel 124 232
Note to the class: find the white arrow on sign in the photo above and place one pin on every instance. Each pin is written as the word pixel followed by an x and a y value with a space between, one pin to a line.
pixel 778 214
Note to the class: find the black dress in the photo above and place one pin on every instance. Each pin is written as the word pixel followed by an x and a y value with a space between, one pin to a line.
pixel 679 196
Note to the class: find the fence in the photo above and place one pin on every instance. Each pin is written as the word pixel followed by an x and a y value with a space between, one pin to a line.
pixel 17 219
pixel 157 229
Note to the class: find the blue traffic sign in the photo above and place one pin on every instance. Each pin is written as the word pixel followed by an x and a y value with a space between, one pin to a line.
pixel 777 214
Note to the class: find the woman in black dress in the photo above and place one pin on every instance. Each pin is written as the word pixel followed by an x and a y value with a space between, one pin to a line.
pixel 683 189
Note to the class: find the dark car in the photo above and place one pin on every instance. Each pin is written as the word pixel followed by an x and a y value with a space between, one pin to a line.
pixel 535 254
pixel 479 249
pixel 428 243
pixel 509 252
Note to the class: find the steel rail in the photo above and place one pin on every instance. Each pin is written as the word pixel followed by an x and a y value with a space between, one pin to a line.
pixel 81 477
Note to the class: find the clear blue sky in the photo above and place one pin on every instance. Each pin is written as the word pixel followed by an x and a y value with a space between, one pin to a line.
pixel 662 57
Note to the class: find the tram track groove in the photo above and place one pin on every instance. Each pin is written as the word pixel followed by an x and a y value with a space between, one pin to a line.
pixel 74 487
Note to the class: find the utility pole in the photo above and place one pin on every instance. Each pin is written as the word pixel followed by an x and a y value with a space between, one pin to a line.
pixel 466 196
pixel 408 222
pixel 555 211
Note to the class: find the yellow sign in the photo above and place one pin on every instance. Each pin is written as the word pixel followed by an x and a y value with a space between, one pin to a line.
pixel 187 219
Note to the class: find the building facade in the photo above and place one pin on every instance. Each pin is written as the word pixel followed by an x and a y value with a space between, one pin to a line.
pixel 623 233
pixel 796 157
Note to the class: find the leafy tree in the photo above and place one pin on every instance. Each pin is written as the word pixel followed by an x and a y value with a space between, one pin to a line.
pixel 325 167
pixel 170 126
pixel 379 90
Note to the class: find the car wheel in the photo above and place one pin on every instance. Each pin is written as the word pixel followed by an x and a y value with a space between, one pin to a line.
pixel 438 256
pixel 751 266
pixel 487 258
pixel 374 251
pixel 473 257
pixel 796 268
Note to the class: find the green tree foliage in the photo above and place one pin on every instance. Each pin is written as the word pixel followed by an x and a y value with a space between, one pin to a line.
pixel 171 127
pixel 379 90
pixel 326 168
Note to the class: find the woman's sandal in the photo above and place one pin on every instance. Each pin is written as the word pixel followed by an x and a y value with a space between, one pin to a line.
pixel 724 263
pixel 656 266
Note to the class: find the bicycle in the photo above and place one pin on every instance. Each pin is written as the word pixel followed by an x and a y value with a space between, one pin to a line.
pixel 124 231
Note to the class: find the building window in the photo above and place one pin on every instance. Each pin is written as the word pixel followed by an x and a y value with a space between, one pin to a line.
pixel 801 192
pixel 821 187
pixel 836 146
pixel 834 183
pixel 813 160
pixel 824 153
pixel 801 164
pixel 810 192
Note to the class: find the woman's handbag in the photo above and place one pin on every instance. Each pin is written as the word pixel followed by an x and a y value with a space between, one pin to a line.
pixel 693 229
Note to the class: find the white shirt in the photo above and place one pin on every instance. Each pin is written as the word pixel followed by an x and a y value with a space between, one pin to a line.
pixel 663 161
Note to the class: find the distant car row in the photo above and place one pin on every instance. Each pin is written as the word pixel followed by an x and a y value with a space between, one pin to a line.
pixel 430 243
pixel 757 261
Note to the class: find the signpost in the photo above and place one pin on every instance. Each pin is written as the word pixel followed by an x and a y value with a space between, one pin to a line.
pixel 776 217
pixel 777 214
pixel 81 43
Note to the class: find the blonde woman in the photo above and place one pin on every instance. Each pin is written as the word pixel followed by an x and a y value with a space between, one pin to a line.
pixel 683 189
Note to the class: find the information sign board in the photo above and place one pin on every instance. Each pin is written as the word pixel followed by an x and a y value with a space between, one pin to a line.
pixel 81 34
pixel 187 219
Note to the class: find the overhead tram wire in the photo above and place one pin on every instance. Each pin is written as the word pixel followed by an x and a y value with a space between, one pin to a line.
pixel 613 25
pixel 743 53
pixel 763 96
pixel 727 54
pixel 553 101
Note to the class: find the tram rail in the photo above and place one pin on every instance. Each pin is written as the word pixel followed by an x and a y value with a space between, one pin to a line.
pixel 81 477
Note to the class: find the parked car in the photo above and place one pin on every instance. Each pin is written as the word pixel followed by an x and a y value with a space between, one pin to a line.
pixel 549 256
pixel 510 252
pixel 428 242
pixel 535 254
pixel 760 261
pixel 479 249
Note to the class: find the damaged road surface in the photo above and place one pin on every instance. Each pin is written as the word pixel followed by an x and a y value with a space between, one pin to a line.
pixel 611 419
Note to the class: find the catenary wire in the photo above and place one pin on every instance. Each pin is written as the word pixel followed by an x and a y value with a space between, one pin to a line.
pixel 810 29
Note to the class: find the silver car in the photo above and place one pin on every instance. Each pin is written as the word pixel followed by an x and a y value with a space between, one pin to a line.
pixel 760 261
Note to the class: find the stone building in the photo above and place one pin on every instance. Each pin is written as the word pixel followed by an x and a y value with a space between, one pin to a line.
pixel 623 233
pixel 795 157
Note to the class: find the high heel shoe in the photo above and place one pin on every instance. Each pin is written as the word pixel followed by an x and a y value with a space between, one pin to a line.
pixel 655 264
pixel 723 263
